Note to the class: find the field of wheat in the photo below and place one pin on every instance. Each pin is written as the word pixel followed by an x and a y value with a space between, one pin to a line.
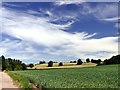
pixel 105 76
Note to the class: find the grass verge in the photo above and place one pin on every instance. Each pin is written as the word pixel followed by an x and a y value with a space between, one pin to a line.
pixel 22 81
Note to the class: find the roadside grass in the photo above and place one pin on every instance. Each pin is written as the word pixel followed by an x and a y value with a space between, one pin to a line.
pixel 22 81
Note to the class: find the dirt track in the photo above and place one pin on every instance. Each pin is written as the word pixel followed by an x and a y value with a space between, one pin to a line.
pixel 6 81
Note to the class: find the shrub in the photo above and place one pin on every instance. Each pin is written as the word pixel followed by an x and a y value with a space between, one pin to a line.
pixel 42 62
pixel 87 60
pixel 50 63
pixel 72 61
pixel 60 64
pixel 79 62
pixel 31 65
pixel 96 61
pixel 24 66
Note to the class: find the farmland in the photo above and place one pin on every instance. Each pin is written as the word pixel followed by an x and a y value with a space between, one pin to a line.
pixel 65 65
pixel 105 76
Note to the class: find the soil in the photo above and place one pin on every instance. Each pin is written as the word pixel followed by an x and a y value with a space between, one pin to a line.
pixel 6 81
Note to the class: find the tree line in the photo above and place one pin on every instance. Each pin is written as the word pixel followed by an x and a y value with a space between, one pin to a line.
pixel 14 64
pixel 112 60
pixel 11 64
pixel 50 63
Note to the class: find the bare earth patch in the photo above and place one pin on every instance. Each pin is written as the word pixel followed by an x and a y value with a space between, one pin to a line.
pixel 6 81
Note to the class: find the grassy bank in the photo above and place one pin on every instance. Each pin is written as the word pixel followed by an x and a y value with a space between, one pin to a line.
pixel 22 81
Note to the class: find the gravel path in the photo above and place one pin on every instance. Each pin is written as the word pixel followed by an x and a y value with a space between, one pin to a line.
pixel 6 81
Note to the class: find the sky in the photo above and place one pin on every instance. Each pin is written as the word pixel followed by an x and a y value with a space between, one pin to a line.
pixel 59 31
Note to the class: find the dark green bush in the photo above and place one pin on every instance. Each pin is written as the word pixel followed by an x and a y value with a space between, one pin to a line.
pixel 79 62
pixel 50 63
pixel 60 64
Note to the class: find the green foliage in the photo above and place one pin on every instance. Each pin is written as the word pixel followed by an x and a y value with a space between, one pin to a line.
pixel 79 62
pixel 105 76
pixel 42 62
pixel 50 63
pixel 12 64
pixel 23 81
pixel 96 61
pixel 87 60
pixel 112 60
pixel 60 64
pixel 72 61
pixel 31 65
pixel 18 67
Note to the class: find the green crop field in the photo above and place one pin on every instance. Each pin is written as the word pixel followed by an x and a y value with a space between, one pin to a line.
pixel 105 76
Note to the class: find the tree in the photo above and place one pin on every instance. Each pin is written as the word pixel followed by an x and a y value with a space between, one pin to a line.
pixel 113 60
pixel 4 63
pixel 11 64
pixel 99 60
pixel 79 62
pixel 41 62
pixel 96 61
pixel 71 61
pixel 87 60
pixel 50 63
pixel 60 64
pixel 0 63
pixel 18 67
pixel 24 66
pixel 74 61
pixel 31 65
pixel 55 62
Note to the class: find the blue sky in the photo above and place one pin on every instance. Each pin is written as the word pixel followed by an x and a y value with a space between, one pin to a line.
pixel 59 31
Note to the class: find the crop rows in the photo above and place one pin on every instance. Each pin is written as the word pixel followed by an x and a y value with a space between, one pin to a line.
pixel 89 77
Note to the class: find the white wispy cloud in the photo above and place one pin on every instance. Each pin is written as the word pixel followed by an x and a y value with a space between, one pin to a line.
pixel 18 49
pixel 11 5
pixel 117 25
pixel 64 2
pixel 102 10
pixel 33 30
pixel 114 19
pixel 107 12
